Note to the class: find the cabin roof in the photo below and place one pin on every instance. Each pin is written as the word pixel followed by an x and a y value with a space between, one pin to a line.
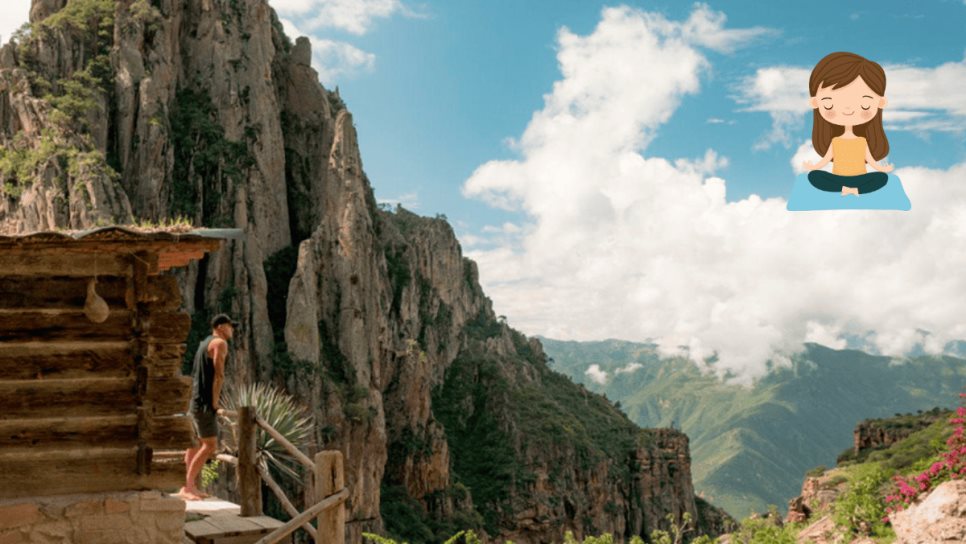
pixel 174 247
pixel 116 233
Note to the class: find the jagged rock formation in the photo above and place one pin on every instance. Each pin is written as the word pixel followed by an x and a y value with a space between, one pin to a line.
pixel 112 112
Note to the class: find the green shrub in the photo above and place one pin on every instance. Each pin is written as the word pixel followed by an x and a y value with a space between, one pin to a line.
pixel 764 531
pixel 281 411
pixel 817 471
pixel 861 508
pixel 204 158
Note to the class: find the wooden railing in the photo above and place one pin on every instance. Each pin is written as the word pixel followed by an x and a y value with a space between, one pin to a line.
pixel 328 492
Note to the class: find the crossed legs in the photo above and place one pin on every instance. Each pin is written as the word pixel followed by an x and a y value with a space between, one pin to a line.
pixel 860 185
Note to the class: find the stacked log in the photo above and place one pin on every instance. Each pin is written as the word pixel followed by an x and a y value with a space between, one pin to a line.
pixel 84 406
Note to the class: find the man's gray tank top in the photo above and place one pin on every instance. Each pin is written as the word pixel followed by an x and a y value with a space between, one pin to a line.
pixel 202 377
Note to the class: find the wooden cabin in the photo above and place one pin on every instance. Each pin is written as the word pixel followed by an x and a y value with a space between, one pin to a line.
pixel 89 400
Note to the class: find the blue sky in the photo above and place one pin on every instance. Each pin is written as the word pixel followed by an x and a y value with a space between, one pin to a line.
pixel 618 170
pixel 445 89
pixel 652 232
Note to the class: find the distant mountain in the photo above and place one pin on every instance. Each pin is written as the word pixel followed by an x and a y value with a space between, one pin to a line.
pixel 750 447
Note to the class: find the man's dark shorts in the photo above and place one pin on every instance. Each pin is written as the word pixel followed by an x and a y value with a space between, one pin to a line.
pixel 205 422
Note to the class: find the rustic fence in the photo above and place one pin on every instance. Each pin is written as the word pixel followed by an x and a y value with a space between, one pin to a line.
pixel 327 492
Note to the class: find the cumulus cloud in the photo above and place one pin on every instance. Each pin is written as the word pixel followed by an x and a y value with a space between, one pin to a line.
pixel 332 59
pixel 336 59
pixel 353 16
pixel 596 374
pixel 921 100
pixel 616 243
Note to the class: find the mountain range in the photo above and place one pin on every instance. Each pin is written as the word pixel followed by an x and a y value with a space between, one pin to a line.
pixel 750 446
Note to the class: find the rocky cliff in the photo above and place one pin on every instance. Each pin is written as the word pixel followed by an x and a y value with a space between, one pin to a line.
pixel 878 433
pixel 147 110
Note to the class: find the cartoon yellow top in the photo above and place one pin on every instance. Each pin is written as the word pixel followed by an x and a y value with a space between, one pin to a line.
pixel 849 156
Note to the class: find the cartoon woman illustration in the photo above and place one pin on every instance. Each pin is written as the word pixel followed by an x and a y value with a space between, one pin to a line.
pixel 847 96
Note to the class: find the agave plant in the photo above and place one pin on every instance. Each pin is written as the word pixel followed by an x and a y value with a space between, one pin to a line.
pixel 278 409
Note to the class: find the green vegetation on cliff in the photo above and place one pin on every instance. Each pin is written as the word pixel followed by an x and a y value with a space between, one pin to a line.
pixel 750 447
pixel 76 99
pixel 207 165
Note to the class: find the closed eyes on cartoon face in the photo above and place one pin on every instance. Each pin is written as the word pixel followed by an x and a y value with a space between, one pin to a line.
pixel 840 105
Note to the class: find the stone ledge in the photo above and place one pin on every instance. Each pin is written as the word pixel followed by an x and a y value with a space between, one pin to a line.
pixel 133 517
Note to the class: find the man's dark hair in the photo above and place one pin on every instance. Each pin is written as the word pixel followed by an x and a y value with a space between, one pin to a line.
pixel 223 318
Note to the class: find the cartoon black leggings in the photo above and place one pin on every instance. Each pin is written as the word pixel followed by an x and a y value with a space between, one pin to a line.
pixel 866 183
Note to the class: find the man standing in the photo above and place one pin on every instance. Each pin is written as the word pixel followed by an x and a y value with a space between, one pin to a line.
pixel 208 375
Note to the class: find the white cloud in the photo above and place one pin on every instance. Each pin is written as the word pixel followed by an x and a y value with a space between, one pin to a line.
pixel 353 16
pixel 332 59
pixel 336 59
pixel 620 244
pixel 920 99
pixel 629 368
pixel 596 374
pixel 507 228
pixel 13 14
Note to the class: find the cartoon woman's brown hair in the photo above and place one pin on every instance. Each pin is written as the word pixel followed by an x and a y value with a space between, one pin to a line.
pixel 837 70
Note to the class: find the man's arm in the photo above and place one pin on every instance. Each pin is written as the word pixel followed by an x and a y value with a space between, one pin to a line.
pixel 221 352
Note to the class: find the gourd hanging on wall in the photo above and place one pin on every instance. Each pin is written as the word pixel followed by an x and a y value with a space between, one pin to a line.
pixel 95 308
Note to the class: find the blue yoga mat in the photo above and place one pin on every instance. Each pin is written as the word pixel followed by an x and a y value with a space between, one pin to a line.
pixel 806 197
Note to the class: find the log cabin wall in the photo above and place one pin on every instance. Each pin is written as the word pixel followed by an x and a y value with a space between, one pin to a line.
pixel 93 407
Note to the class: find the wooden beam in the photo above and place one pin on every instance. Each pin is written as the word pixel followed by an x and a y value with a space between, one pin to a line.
pixel 70 397
pixel 249 485
pixel 163 294
pixel 166 396
pixel 144 452
pixel 164 349
pixel 38 292
pixel 166 326
pixel 63 325
pixel 108 431
pixel 295 452
pixel 329 479
pixel 78 359
pixel 64 453
pixel 286 504
pixel 169 432
pixel 38 262
pixel 164 366
pixel 278 534
pixel 227 458
pixel 88 474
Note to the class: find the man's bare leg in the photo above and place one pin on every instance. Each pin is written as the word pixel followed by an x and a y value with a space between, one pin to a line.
pixel 190 490
pixel 189 454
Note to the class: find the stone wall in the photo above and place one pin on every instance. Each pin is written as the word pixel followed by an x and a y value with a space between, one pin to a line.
pixel 110 518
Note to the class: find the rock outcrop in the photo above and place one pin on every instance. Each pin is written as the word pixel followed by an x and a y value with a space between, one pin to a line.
pixel 879 433
pixel 137 110
pixel 818 492
pixel 938 518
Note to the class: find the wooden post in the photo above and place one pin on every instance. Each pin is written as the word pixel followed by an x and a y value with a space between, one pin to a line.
pixel 136 287
pixel 249 484
pixel 329 480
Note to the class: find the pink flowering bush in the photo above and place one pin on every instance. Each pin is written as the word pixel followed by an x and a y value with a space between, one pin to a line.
pixel 951 466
